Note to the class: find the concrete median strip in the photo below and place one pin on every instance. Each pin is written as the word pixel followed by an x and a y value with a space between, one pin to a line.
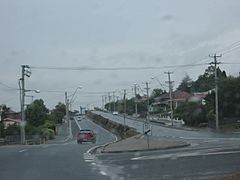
pixel 139 143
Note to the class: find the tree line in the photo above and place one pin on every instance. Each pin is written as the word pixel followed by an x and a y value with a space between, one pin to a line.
pixel 39 120
pixel 194 113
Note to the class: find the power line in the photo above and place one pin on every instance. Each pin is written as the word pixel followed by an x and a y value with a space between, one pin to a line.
pixel 112 68
pixel 7 86
pixel 233 45
pixel 229 63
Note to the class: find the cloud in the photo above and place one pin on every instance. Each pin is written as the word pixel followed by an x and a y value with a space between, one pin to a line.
pixel 168 17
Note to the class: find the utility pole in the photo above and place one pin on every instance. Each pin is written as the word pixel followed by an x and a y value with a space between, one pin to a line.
pixel 67 113
pixel 117 103
pixel 105 101
pixel 25 72
pixel 170 94
pixel 22 106
pixel 148 114
pixel 135 93
pixel 102 102
pixel 114 102
pixel 125 108
pixel 147 89
pixel 109 102
pixel 216 86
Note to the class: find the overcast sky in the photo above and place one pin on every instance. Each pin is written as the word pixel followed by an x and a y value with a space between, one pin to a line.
pixel 110 33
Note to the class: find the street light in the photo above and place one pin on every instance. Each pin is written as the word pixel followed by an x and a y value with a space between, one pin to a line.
pixel 30 90
pixel 72 95
pixel 67 108
pixel 23 122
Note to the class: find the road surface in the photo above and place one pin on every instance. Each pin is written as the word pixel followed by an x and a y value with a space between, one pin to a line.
pixel 70 161
pixel 63 161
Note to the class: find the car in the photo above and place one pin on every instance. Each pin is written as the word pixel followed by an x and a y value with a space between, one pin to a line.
pixel 115 113
pixel 86 135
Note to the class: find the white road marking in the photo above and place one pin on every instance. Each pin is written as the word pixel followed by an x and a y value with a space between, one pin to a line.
pixel 180 155
pixel 103 173
pixel 23 150
pixel 77 124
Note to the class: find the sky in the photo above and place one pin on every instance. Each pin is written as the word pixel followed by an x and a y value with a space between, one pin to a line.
pixel 110 34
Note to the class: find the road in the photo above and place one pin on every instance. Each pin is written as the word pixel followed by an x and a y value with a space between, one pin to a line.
pixel 171 164
pixel 203 138
pixel 70 161
pixel 59 161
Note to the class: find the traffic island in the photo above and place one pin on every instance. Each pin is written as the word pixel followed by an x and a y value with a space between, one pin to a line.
pixel 142 143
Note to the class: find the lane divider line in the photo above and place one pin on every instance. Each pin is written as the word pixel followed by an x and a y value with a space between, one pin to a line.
pixel 77 123
pixel 23 150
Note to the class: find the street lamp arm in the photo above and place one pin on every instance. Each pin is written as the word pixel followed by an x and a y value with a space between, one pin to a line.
pixel 72 95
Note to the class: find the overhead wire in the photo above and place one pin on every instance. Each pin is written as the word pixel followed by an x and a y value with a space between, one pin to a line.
pixel 7 86
pixel 112 68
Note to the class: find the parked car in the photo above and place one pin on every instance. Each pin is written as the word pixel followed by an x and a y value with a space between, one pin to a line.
pixel 86 135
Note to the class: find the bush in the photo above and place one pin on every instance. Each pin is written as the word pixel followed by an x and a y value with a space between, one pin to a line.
pixel 32 130
pixel 12 130
pixel 47 133
pixel 50 125
pixel 192 114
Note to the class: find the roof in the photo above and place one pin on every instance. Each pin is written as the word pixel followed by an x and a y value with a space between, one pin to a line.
pixel 12 120
pixel 181 95
pixel 177 95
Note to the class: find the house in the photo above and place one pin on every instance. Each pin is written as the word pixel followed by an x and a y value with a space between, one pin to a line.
pixel 12 117
pixel 178 98
pixel 9 121
pixel 199 97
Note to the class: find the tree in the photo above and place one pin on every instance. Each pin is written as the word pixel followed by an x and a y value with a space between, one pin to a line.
pixel 157 92
pixel 186 84
pixel 36 113
pixel 12 130
pixel 58 113
pixel 206 81
pixel 192 113
pixel 229 98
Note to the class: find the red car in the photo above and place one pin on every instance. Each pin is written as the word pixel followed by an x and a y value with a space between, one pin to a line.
pixel 86 135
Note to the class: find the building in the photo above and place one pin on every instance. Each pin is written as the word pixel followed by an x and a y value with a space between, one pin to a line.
pixel 178 98
pixel 12 117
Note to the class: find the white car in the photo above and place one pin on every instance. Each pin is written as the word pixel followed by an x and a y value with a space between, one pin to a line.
pixel 115 113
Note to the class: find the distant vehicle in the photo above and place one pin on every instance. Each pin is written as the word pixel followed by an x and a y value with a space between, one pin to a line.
pixel 115 113
pixel 86 135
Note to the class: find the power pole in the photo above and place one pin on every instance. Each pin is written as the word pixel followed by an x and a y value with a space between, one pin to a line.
pixel 67 113
pixel 135 93
pixel 114 101
pixel 25 72
pixel 105 101
pixel 125 108
pixel 109 102
pixel 147 89
pixel 102 102
pixel 22 106
pixel 215 62
pixel 147 120
pixel 170 94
